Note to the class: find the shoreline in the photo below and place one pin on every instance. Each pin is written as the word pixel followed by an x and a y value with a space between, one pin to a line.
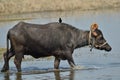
pixel 55 14
pixel 27 6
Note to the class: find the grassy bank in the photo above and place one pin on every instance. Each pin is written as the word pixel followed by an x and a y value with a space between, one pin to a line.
pixel 22 6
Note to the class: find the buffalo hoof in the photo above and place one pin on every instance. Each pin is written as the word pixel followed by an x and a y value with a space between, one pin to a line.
pixel 19 70
pixel 4 70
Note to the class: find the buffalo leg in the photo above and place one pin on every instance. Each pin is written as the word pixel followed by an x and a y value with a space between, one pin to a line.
pixel 71 63
pixel 56 63
pixel 7 57
pixel 18 60
pixel 70 59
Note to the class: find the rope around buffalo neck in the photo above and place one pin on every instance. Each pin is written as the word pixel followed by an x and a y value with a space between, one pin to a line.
pixel 92 44
pixel 90 41
pixel 101 44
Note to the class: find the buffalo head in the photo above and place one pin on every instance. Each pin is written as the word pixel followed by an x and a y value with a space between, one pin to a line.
pixel 97 40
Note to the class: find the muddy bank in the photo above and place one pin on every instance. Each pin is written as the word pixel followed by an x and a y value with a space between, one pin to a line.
pixel 23 6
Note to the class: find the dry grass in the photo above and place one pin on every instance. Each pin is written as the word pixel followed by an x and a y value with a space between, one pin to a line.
pixel 21 6
pixel 2 50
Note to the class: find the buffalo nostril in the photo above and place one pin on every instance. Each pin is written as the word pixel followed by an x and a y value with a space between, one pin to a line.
pixel 108 48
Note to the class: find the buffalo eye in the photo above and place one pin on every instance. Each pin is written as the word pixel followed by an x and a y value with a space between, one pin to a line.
pixel 100 39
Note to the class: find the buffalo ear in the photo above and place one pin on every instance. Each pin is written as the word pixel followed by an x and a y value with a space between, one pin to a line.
pixel 94 27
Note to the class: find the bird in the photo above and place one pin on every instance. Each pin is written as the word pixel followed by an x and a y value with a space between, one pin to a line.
pixel 60 20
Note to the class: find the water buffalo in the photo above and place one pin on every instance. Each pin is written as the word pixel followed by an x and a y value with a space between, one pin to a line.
pixel 52 39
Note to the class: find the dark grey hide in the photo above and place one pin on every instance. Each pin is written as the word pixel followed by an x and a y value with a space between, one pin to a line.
pixel 52 39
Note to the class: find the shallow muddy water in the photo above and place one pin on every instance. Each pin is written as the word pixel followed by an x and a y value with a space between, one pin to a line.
pixel 95 65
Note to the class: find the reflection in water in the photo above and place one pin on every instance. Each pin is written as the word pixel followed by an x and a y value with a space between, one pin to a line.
pixel 59 77
pixel 71 75
pixel 7 76
pixel 18 76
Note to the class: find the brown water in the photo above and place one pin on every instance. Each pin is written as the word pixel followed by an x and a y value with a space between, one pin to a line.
pixel 96 65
